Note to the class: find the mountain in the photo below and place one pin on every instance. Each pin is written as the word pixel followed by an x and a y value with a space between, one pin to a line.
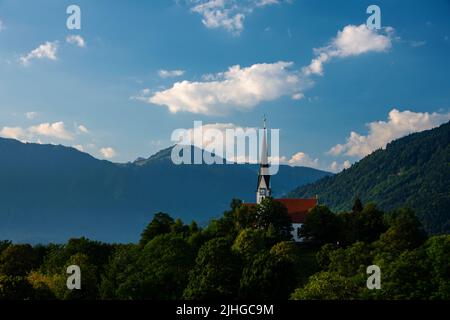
pixel 413 171
pixel 51 193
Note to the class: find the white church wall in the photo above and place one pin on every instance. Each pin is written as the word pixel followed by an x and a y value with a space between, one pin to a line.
pixel 295 232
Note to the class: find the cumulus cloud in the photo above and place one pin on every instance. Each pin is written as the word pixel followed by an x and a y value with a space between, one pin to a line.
pixel 399 124
pixel 170 73
pixel 238 88
pixel 303 159
pixel 242 88
pixel 227 14
pixel 83 129
pixel 76 40
pixel 298 96
pixel 337 167
pixel 56 130
pixel 31 115
pixel 52 130
pixel 44 51
pixel 350 41
pixel 13 133
pixel 108 152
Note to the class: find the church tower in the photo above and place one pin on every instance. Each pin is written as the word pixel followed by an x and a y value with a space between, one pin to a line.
pixel 263 188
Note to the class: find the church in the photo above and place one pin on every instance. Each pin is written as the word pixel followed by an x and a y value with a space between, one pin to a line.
pixel 297 208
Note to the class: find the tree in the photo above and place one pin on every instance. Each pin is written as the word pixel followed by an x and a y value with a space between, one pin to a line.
pixel 15 288
pixel 351 260
pixel 160 224
pixel 89 279
pixel 321 226
pixel 47 287
pixel 17 260
pixel 437 249
pixel 365 225
pixel 161 271
pixel 270 274
pixel 122 265
pixel 4 244
pixel 244 217
pixel 357 205
pixel 405 276
pixel 369 224
pixel 249 242
pixel 230 222
pixel 405 232
pixel 323 255
pixel 270 213
pixel 328 286
pixel 216 272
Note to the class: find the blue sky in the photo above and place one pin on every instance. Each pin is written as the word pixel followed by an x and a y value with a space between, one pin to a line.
pixel 102 89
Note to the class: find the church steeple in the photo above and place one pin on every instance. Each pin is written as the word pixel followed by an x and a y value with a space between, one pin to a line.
pixel 263 189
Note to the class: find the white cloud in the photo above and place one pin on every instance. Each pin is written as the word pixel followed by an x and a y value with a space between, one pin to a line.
pixel 302 159
pixel 13 133
pixel 416 44
pixel 399 124
pixel 79 147
pixel 108 152
pixel 170 73
pixel 83 129
pixel 351 41
pixel 77 40
pixel 31 115
pixel 238 88
pixel 227 14
pixel 262 3
pixel 221 14
pixel 337 167
pixel 242 88
pixel 298 96
pixel 44 51
pixel 2 25
pixel 299 159
pixel 50 130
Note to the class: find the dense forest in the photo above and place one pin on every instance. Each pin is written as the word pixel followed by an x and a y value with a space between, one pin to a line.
pixel 246 254
pixel 413 171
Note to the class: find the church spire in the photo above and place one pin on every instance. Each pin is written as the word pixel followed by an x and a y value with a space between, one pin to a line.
pixel 264 152
pixel 263 188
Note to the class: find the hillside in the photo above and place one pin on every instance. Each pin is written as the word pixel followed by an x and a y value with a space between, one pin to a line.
pixel 413 171
pixel 51 193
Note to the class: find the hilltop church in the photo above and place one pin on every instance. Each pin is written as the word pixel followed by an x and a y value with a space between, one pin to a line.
pixel 297 208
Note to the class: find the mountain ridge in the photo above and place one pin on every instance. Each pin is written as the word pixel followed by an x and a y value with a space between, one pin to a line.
pixel 53 192
pixel 412 171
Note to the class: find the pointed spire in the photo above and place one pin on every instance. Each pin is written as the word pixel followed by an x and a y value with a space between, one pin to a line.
pixel 264 154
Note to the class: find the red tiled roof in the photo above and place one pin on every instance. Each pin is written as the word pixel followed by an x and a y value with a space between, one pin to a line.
pixel 297 208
